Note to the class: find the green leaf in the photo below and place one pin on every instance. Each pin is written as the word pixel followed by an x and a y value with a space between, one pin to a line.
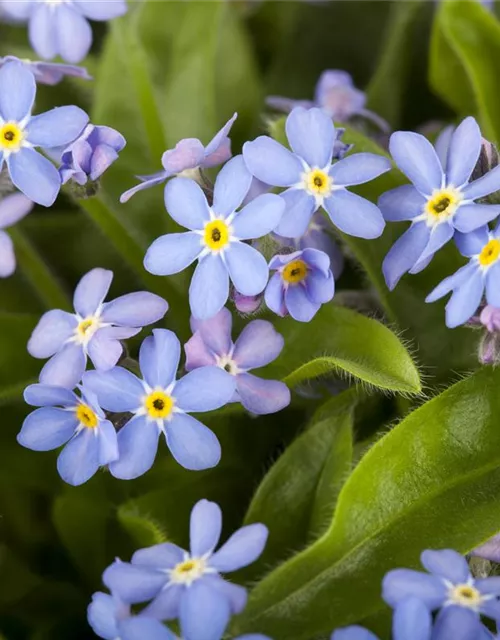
pixel 17 367
pixel 144 530
pixel 298 493
pixel 432 482
pixel 331 343
pixel 465 62
pixel 17 579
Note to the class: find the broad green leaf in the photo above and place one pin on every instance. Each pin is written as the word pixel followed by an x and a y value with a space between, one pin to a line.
pixel 302 486
pixel 432 482
pixel 331 343
pixel 465 62
pixel 143 530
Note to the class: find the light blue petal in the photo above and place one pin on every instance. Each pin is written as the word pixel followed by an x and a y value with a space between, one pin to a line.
pixel 242 548
pixel 43 395
pixel 117 390
pixel 470 244
pixel 14 208
pixel 17 91
pixel 275 295
pixel 220 137
pixel 204 613
pixel 66 368
pixel 412 621
pixel 259 217
pixel 320 289
pixel 354 215
pixel 458 623
pixel 204 389
pixel 18 10
pixel 471 216
pixel 465 300
pixel 42 30
pixel 317 260
pixel 257 345
pixel 400 584
pixel 353 633
pixel 209 289
pixel 7 255
pixel 237 596
pixel 231 186
pixel 159 556
pixel 35 176
pixel 440 235
pixel 191 443
pixel 447 564
pixel 137 447
pixel 140 628
pixel 493 285
pixel 488 586
pixel 186 203
pixel 132 583
pixel 79 460
pixel 311 135
pixel 490 550
pixel 358 169
pixel 417 159
pixel 102 615
pixel 102 10
pixel 56 128
pixel 159 358
pixel 442 145
pixel 205 527
pixel 260 396
pixel 452 282
pixel 298 304
pixel 166 604
pixel 271 162
pixel 108 445
pixel 404 253
pixel 91 291
pixel 47 428
pixel 51 332
pixel 74 35
pixel 484 186
pixel 145 184
pixel 216 332
pixel 105 348
pixel 299 209
pixel 136 309
pixel 401 203
pixel 247 268
pixel 463 154
pixel 172 253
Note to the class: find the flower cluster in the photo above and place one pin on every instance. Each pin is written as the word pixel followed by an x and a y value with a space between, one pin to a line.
pixel 173 584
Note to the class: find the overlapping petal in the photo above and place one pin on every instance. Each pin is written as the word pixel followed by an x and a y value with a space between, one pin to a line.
pixel 186 203
pixel 271 163
pixel 191 443
pixel 311 135
pixel 204 389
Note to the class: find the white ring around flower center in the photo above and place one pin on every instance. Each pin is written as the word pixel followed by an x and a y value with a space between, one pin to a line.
pixel 189 570
pixel 228 364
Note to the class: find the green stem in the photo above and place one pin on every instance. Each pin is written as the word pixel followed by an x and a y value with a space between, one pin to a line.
pixel 38 273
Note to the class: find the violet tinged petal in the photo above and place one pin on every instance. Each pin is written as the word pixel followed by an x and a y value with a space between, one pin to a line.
pixel 204 389
pixel 147 183
pixel 216 332
pixel 47 428
pixel 7 255
pixel 14 208
pixel 320 289
pixel 102 158
pixel 187 154
pixel 236 596
pixel 287 104
pixel 192 444
pixel 197 353
pixel 219 139
pixel 257 345
pixel 205 527
pixel 311 134
pixel 91 291
pixel 74 35
pixel 298 304
pixel 261 396
pixel 137 447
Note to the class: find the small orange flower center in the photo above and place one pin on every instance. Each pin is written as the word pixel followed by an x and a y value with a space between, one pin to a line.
pixel 490 253
pixel 294 272
pixel 86 416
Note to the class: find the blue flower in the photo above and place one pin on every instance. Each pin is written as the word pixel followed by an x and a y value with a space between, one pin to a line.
pixel 441 200
pixel 160 404
pixel 49 73
pixel 258 345
pixel 449 586
pixel 187 158
pixel 62 418
pixel 95 330
pixel 337 96
pixel 13 208
pixel 302 283
pixel 312 181
pixel 91 154
pixel 188 585
pixel 216 238
pixel 61 28
pixel 480 275
pixel 20 132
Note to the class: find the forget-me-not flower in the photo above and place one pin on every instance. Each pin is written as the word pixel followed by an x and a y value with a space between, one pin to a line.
pixel 257 345
pixel 312 181
pixel 441 199
pixel 63 417
pixel 216 238
pixel 60 27
pixel 21 133
pixel 189 585
pixel 480 276
pixel 91 154
pixel 95 330
pixel 302 283
pixel 13 208
pixel 449 585
pixel 337 96
pixel 49 73
pixel 160 404
pixel 188 156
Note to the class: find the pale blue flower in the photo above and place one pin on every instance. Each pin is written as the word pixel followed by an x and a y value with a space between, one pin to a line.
pixel 49 73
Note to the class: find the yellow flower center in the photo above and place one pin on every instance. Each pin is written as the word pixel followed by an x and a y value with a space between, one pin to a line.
pixel 86 416
pixel 465 595
pixel 188 571
pixel 490 253
pixel 443 204
pixel 158 405
pixel 86 329
pixel 318 182
pixel 216 235
pixel 294 272
pixel 11 136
